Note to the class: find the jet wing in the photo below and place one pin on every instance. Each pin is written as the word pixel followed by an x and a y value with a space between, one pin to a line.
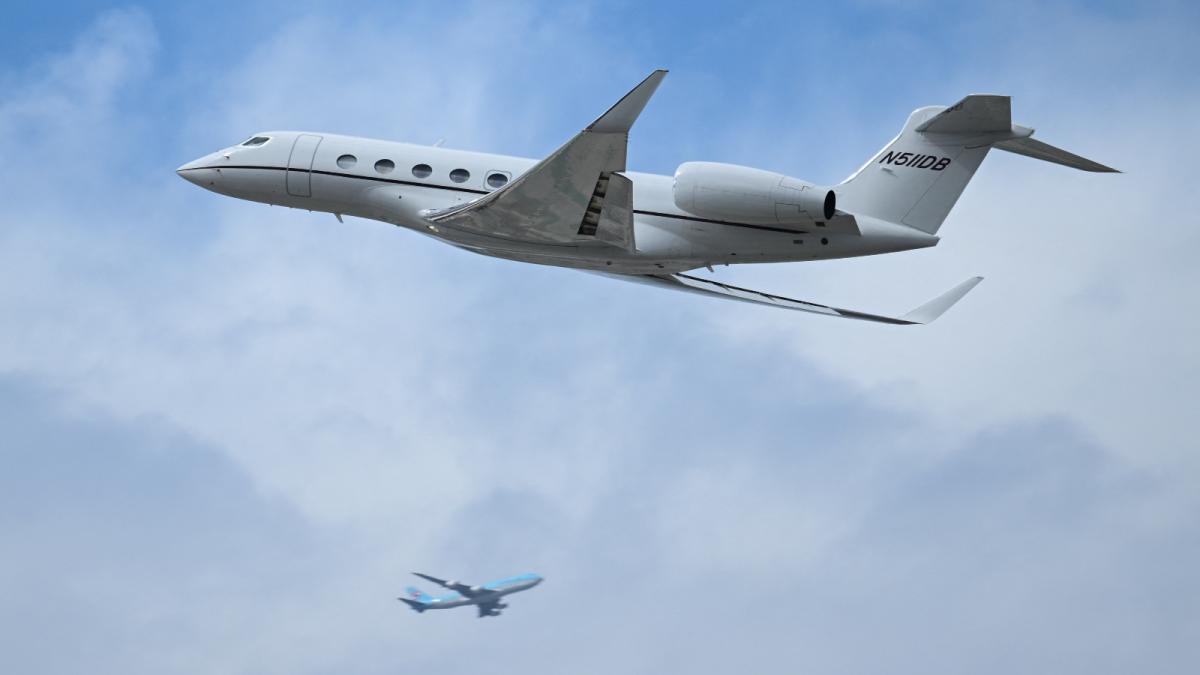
pixel 684 282
pixel 576 194
pixel 488 608
pixel 465 590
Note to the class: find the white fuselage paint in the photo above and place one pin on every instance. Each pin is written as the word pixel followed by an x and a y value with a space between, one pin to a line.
pixel 300 170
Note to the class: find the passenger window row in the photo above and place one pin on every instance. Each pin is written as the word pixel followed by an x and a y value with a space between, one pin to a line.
pixel 495 179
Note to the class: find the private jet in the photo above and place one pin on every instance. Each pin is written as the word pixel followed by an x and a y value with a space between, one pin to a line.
pixel 581 208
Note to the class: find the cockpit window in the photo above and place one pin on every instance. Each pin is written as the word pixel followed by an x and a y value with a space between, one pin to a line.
pixel 256 141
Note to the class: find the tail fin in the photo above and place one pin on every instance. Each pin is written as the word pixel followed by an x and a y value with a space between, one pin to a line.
pixel 417 599
pixel 919 176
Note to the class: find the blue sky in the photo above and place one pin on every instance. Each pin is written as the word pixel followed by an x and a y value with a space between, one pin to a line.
pixel 229 430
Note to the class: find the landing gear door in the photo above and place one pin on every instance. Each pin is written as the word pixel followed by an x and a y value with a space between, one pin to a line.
pixel 299 170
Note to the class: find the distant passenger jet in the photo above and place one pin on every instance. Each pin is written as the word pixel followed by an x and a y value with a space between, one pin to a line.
pixel 486 598
pixel 580 208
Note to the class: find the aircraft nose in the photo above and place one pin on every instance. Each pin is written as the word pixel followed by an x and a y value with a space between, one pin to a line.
pixel 198 172
pixel 196 176
pixel 185 170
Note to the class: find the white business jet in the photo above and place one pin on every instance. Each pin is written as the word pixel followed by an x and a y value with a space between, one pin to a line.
pixel 581 208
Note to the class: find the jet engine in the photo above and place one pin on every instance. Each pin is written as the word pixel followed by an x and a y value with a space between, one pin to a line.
pixel 746 195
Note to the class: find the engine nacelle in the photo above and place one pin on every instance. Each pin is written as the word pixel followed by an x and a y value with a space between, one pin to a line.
pixel 746 195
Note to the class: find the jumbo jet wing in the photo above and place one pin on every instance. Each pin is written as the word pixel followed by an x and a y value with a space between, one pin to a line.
pixel 489 608
pixel 685 282
pixel 577 194
pixel 465 590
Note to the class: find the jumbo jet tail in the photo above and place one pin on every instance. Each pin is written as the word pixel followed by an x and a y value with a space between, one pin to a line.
pixel 919 176
pixel 417 599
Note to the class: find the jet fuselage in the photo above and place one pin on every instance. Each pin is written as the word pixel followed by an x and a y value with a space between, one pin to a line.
pixel 399 182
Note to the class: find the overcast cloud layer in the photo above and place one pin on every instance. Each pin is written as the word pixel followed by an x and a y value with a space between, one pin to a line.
pixel 229 431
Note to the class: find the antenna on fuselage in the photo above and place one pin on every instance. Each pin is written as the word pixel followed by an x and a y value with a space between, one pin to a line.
pixel 438 143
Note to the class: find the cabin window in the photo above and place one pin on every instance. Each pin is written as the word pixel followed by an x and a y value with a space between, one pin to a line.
pixel 256 141
pixel 496 179
pixel 347 161
pixel 385 166
pixel 422 170
pixel 460 175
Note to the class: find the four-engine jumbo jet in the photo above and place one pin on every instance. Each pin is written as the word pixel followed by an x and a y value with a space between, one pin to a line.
pixel 581 208
pixel 486 598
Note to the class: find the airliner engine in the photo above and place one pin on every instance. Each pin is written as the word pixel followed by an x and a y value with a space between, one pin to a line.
pixel 743 194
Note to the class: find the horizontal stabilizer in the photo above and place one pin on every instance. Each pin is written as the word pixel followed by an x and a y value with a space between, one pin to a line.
pixel 975 114
pixel 416 606
pixel 685 282
pixel 1044 151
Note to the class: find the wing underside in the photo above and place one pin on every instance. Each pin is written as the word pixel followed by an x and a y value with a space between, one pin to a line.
pixel 685 282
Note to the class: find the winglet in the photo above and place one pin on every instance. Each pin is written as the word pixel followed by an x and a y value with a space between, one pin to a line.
pixel 931 310
pixel 620 118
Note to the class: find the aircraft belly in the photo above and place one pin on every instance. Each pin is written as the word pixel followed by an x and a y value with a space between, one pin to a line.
pixel 588 255
pixel 581 259
pixel 448 604
pixel 711 242
pixel 402 205
pixel 716 243
pixel 660 238
pixel 353 197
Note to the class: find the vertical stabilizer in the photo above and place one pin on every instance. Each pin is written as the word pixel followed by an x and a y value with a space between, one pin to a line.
pixel 418 595
pixel 919 176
